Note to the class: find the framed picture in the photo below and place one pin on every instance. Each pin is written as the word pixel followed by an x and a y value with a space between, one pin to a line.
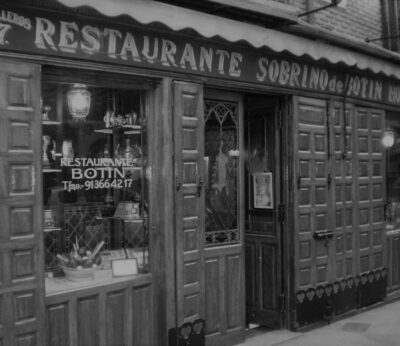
pixel 263 190
pixel 124 267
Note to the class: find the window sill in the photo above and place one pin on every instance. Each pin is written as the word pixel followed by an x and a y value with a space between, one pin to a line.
pixel 60 285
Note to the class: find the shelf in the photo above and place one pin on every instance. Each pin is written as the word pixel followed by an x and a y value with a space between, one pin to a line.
pixel 51 122
pixel 139 220
pixel 128 129
pixel 51 170
pixel 52 229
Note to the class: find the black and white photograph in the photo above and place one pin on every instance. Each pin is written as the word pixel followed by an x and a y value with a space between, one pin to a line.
pixel 199 172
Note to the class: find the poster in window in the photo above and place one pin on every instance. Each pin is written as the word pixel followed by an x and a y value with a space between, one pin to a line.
pixel 263 192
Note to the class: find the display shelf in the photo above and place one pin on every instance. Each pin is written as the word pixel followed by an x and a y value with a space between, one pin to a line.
pixel 52 229
pixel 51 170
pixel 51 122
pixel 128 129
pixel 138 220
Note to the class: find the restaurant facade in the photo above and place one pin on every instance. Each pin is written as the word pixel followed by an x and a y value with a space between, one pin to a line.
pixel 167 177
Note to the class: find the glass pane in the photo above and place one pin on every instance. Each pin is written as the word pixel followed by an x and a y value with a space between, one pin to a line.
pixel 221 157
pixel 94 187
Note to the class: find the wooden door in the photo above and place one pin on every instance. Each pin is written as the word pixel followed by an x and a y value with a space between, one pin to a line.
pixel 338 207
pixel 370 238
pixel 21 252
pixel 313 260
pixel 189 203
pixel 224 252
pixel 263 236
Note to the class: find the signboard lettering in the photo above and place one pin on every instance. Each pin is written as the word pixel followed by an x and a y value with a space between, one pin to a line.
pixel 62 35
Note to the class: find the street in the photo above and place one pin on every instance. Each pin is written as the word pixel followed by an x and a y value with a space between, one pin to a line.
pixel 374 327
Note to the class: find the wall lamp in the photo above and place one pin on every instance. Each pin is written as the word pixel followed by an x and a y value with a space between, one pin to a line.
pixel 388 138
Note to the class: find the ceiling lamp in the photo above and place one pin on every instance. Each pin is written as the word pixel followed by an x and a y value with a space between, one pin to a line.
pixel 78 102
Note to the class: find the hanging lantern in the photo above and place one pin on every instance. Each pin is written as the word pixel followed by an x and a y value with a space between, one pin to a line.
pixel 388 138
pixel 78 102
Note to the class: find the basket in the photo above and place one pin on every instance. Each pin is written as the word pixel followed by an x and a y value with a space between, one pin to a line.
pixel 81 274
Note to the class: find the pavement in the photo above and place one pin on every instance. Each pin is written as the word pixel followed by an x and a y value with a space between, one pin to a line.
pixel 378 326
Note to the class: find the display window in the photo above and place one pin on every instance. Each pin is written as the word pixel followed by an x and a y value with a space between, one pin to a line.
pixel 95 191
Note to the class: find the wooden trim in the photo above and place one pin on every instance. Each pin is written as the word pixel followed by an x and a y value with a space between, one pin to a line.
pixel 162 251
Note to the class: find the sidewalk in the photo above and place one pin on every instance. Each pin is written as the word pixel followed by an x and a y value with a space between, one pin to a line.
pixel 375 327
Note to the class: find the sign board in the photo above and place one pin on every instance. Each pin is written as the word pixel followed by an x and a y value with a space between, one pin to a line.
pixel 48 33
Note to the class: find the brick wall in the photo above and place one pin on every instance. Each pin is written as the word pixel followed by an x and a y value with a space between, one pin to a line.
pixel 357 19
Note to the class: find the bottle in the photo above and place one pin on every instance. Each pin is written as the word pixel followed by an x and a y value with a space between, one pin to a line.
pixel 128 150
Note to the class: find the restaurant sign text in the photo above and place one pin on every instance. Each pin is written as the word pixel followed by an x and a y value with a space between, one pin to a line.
pixel 62 35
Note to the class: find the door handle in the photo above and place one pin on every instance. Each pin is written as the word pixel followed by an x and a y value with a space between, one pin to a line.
pixel 200 186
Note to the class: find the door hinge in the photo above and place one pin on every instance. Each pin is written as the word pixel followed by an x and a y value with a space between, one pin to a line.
pixel 281 213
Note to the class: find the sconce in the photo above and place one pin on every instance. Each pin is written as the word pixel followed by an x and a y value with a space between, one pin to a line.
pixel 78 102
pixel 388 138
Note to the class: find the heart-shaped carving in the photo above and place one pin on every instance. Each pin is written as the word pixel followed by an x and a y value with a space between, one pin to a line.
pixel 328 290
pixel 300 296
pixel 364 279
pixel 350 282
pixel 185 332
pixel 336 287
pixel 320 292
pixel 197 327
pixel 310 294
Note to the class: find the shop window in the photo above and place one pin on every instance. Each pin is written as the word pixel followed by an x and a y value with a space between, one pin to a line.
pixel 393 171
pixel 95 194
pixel 221 144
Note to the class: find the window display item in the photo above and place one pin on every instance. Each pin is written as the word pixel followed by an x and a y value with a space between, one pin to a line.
pixel 47 143
pixel 49 219
pixel 45 113
pixel 78 102
pixel 67 149
pixel 124 267
pixel 80 263
pixel 127 210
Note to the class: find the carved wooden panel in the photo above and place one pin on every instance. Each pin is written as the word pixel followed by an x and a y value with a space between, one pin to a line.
pixel 223 289
pixel 88 328
pixel 393 247
pixel 189 148
pixel 115 314
pixel 344 190
pixel 21 276
pixel 57 325
pixel 370 180
pixel 115 318
pixel 312 190
pixel 142 320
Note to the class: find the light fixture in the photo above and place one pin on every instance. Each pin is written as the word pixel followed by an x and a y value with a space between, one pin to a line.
pixel 78 102
pixel 388 138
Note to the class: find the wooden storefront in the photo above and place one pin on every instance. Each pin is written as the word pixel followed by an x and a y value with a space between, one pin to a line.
pixel 257 184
